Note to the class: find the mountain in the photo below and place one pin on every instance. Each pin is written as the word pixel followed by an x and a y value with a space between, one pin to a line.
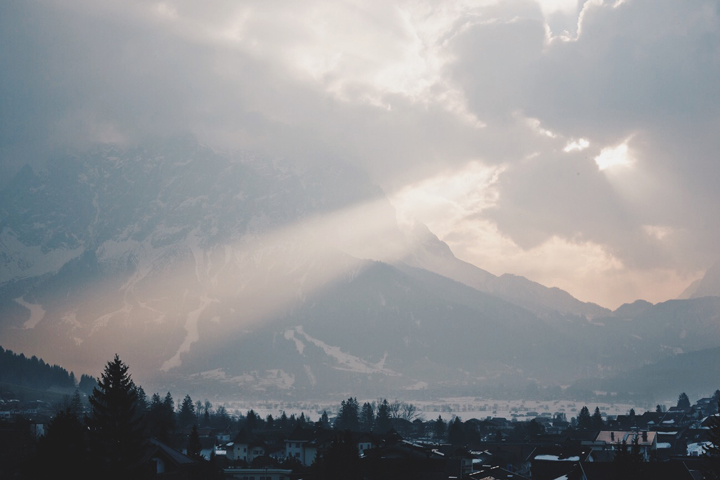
pixel 430 253
pixel 695 373
pixel 708 285
pixel 242 275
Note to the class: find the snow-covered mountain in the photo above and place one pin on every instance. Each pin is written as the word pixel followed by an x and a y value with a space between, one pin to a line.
pixel 240 275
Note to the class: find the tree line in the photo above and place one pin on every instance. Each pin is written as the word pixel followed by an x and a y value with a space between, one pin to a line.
pixel 17 370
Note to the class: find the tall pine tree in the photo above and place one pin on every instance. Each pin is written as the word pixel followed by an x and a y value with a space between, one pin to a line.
pixel 118 440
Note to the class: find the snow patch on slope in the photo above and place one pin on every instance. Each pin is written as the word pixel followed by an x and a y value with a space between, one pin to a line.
pixel 346 361
pixel 37 313
pixel 22 261
pixel 290 335
pixel 191 327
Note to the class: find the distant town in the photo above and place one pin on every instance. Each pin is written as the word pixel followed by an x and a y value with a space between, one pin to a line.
pixel 110 428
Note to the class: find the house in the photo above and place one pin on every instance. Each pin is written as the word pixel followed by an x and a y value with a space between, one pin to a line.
pixel 551 462
pixel 612 439
pixel 364 443
pixel 165 462
pixel 245 447
pixel 705 406
pixel 302 445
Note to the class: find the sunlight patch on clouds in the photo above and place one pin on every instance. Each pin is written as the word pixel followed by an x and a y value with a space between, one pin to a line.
pixel 446 200
pixel 405 54
pixel 585 269
pixel 576 145
pixel 617 156
pixel 451 205
pixel 553 6
pixel 535 126
pixel 569 7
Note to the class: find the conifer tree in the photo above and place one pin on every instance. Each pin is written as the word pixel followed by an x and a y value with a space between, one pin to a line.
pixel 367 417
pixel 186 415
pixel 683 401
pixel 455 432
pixel 324 420
pixel 597 420
pixel 118 440
pixel 382 420
pixel 194 446
pixel 584 420
pixel 439 428
pixel 348 416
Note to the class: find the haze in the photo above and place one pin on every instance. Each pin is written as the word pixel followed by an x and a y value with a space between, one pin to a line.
pixel 574 143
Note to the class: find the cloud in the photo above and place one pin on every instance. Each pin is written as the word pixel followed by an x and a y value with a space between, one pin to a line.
pixel 409 92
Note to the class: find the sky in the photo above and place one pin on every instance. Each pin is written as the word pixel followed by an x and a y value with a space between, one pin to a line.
pixel 573 142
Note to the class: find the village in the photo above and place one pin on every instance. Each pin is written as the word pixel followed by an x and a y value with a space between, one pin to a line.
pixel 394 440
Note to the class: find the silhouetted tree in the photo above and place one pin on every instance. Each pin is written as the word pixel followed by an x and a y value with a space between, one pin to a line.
pixel 382 420
pixel 584 420
pixel 683 401
pixel 455 432
pixel 252 420
pixel 439 428
pixel 324 420
pixel 186 415
pixel 62 450
pixel 194 447
pixel 284 423
pixel 117 437
pixel 160 418
pixel 143 404
pixel 367 417
pixel 597 420
pixel 87 384
pixel 347 418
pixel 76 405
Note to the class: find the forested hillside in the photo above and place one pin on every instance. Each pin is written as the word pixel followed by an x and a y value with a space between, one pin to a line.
pixel 18 371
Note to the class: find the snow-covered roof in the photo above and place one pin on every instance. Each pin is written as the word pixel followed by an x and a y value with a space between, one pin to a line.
pixel 696 449
pixel 556 458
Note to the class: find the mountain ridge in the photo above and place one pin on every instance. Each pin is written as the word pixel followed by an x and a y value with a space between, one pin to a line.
pixel 244 275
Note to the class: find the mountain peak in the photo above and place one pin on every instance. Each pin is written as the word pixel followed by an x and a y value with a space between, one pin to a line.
pixel 707 286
